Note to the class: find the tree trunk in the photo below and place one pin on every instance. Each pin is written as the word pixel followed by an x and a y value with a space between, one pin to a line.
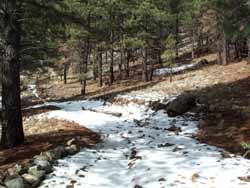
pixel 120 64
pixel 85 69
pixel 159 59
pixel 248 53
pixel 177 36
pixel 100 68
pixel 127 65
pixel 65 73
pixel 219 50
pixel 193 44
pixel 12 127
pixel 111 65
pixel 224 50
pixel 145 66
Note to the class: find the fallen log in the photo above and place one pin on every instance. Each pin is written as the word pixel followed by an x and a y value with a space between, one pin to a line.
pixel 116 114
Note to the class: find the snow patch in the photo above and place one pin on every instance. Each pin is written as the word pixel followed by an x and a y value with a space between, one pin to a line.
pixel 164 71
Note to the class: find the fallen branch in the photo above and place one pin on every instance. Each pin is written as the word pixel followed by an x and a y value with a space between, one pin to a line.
pixel 116 114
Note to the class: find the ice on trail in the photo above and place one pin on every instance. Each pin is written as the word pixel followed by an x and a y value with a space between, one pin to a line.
pixel 139 150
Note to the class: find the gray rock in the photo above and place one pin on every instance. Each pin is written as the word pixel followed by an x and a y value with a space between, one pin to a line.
pixel 71 150
pixel 37 171
pixel 44 164
pixel 60 152
pixel 14 182
pixel 181 105
pixel 51 155
pixel 21 169
pixel 31 180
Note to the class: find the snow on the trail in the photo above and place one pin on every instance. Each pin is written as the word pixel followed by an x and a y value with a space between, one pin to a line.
pixel 139 150
pixel 174 70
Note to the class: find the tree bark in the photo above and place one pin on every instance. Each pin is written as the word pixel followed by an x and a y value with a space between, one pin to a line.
pixel 219 49
pixel 100 80
pixel 145 66
pixel 224 49
pixel 177 36
pixel 248 53
pixel 12 127
pixel 111 65
pixel 127 64
pixel 120 64
pixel 65 73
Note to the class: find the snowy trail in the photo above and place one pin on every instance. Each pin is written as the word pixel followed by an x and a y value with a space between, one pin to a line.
pixel 139 151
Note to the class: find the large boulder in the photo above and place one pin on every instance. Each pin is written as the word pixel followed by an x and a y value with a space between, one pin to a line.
pixel 180 105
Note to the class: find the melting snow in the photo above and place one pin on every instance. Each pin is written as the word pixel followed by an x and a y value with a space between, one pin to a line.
pixel 164 71
pixel 139 150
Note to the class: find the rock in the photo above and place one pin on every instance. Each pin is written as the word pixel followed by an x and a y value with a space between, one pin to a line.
pixel 138 186
pixel 165 145
pixel 44 164
pixel 21 169
pixel 162 179
pixel 71 142
pixel 157 105
pixel 37 171
pixel 245 179
pixel 71 150
pixel 174 129
pixel 181 105
pixel 14 182
pixel 60 151
pixel 226 155
pixel 203 62
pixel 51 155
pixel 33 181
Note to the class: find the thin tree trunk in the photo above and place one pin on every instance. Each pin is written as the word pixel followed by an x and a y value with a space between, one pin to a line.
pixel 100 68
pixel 12 127
pixel 145 66
pixel 85 69
pixel 111 65
pixel 177 36
pixel 65 73
pixel 120 64
pixel 159 59
pixel 224 50
pixel 193 44
pixel 127 64
pixel 248 54
pixel 219 50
